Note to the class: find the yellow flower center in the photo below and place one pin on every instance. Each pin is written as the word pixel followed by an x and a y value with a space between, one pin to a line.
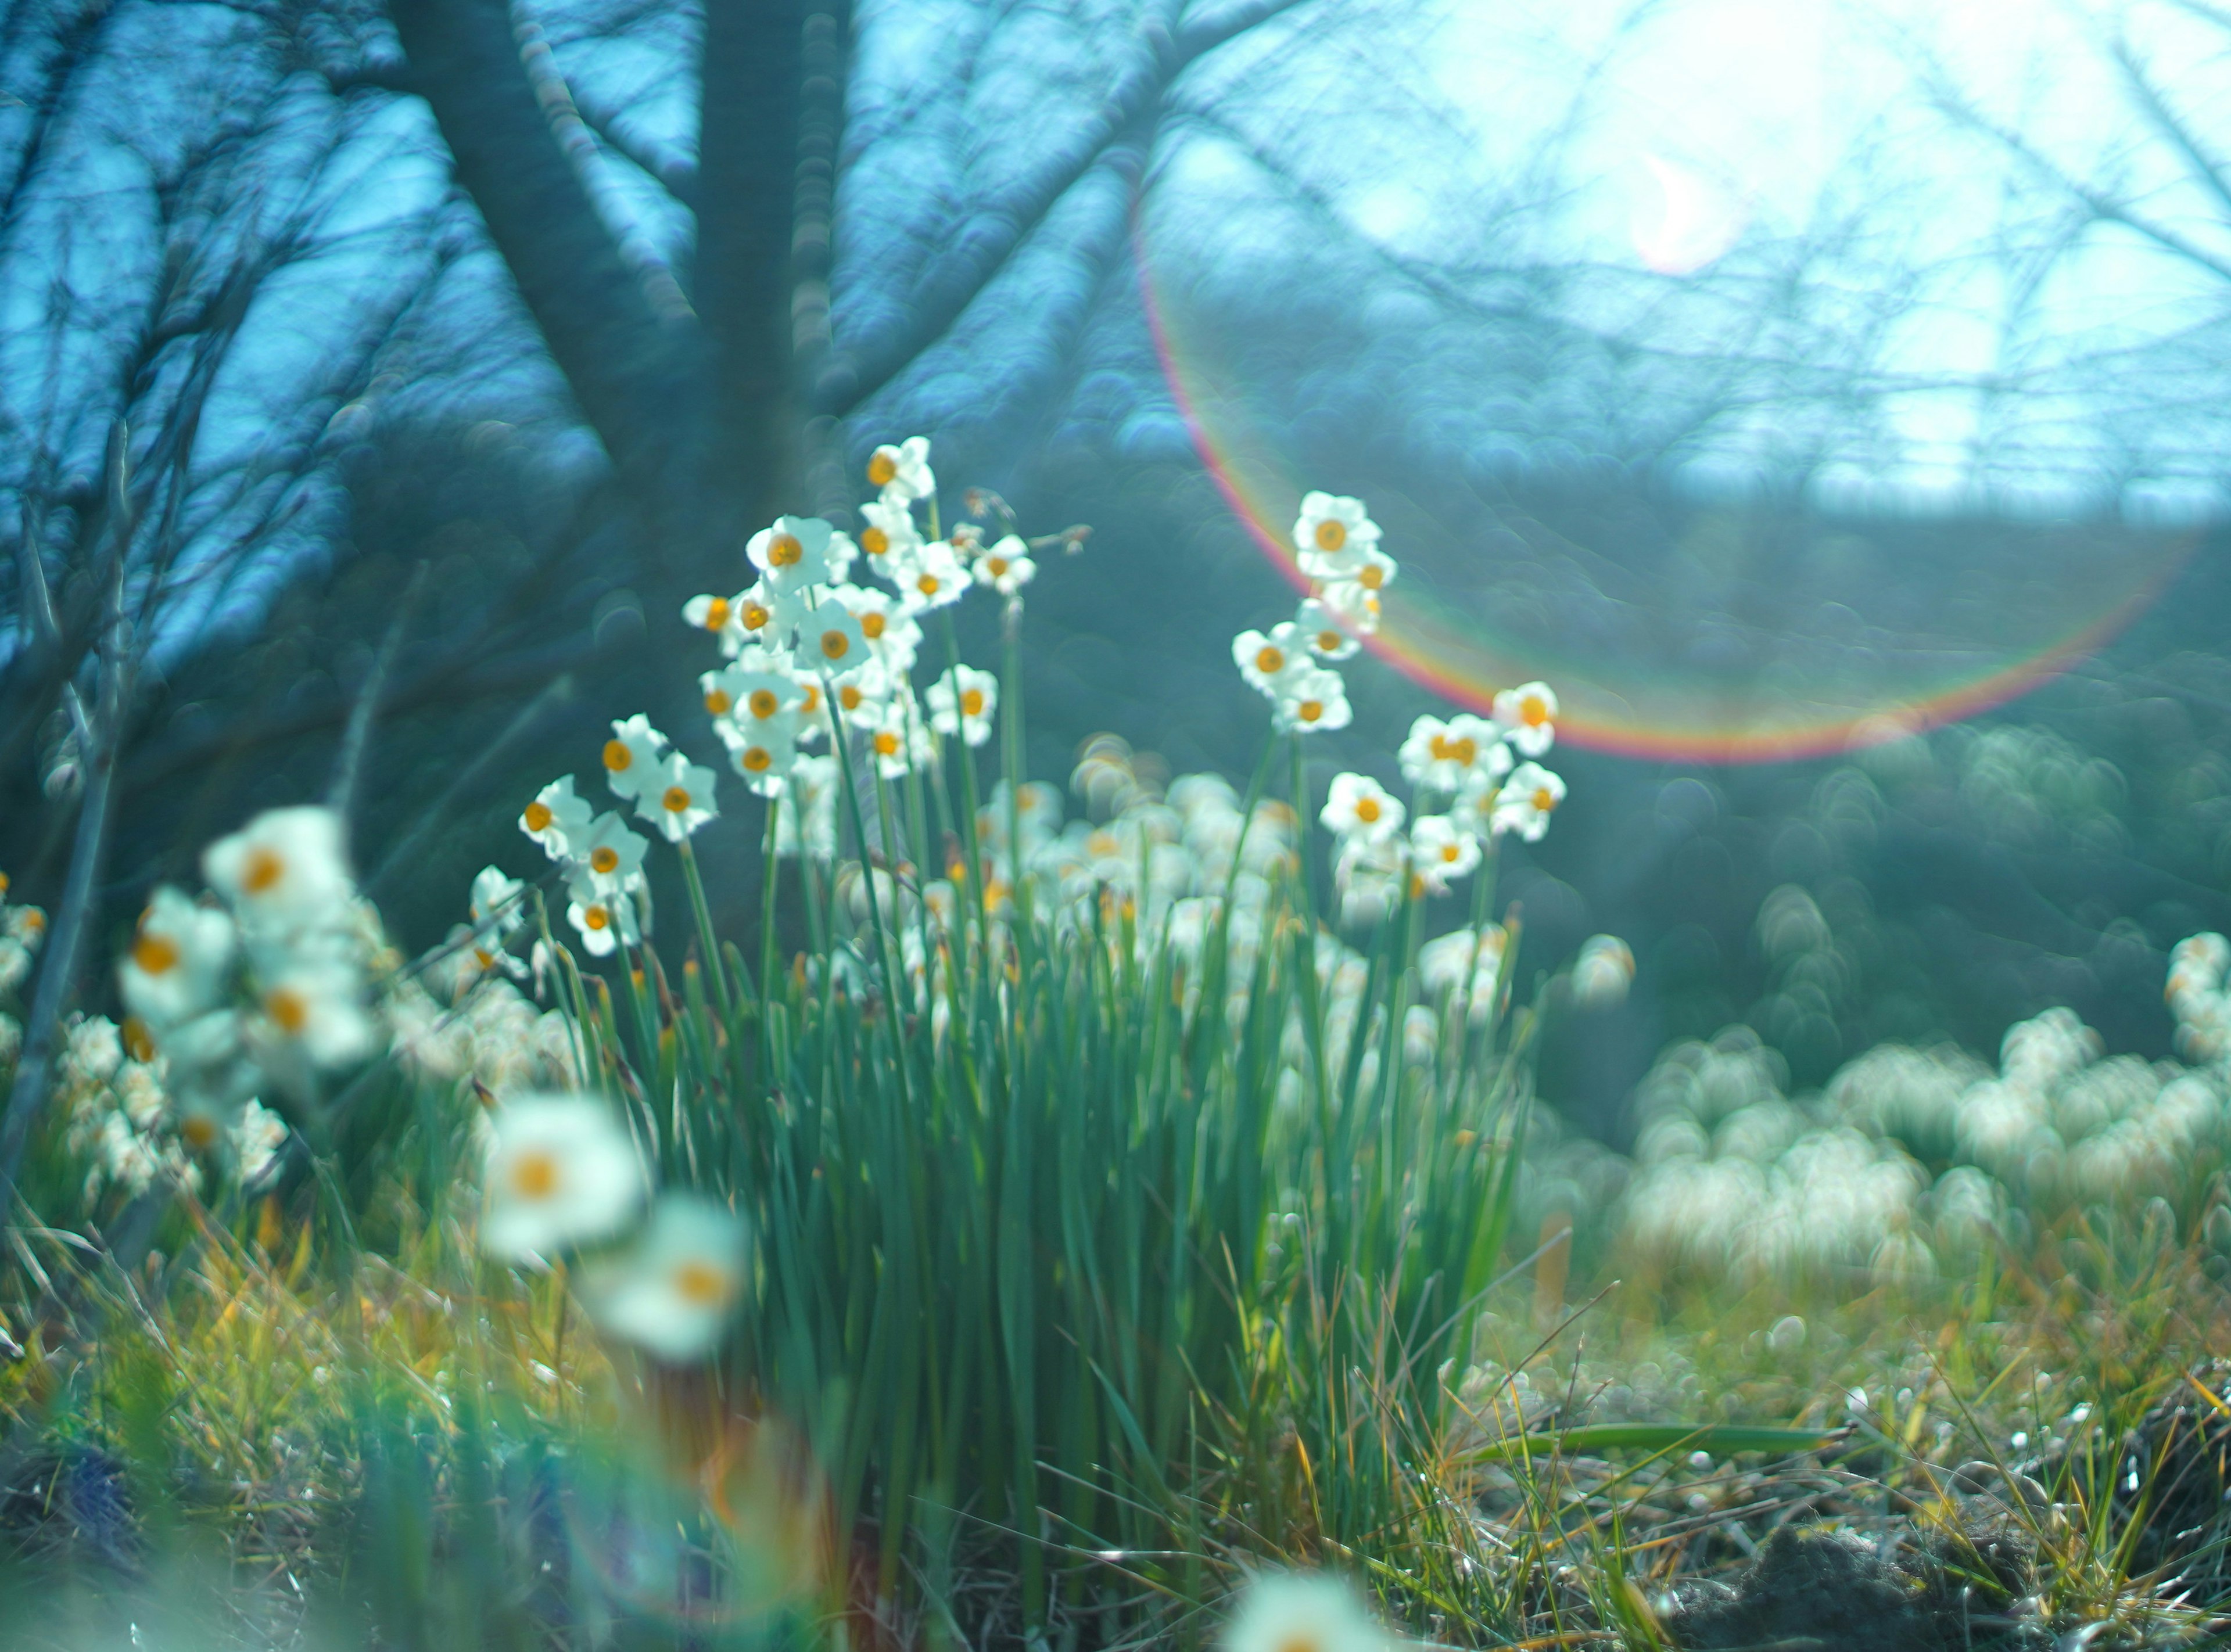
pixel 887 743
pixel 197 1131
pixel 875 541
pixel 763 702
pixel 1544 799
pixel 871 625
pixel 1270 661
pixel 835 645
pixel 264 870
pixel 1309 710
pixel 1451 853
pixel 784 550
pixel 758 759
pixel 812 697
pixel 716 613
pixel 883 469
pixel 998 565
pixel 1329 642
pixel 534 1175
pixel 972 702
pixel 756 615
pixel 289 1011
pixel 849 696
pixel 616 756
pixel 603 858
pixel 538 817
pixel 139 1042
pixel 676 799
pixel 700 1284
pixel 1331 534
pixel 155 954
pixel 595 917
pixel 1533 711
pixel 1371 577
pixel 717 700
pixel 929 584
pixel 1367 810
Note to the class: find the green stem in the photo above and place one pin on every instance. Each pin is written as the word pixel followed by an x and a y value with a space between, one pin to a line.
pixel 713 972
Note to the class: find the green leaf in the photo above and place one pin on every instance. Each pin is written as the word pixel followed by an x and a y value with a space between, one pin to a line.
pixel 1722 1439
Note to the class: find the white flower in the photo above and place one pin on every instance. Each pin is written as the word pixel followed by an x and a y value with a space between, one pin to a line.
pixel 1323 631
pixel 14 962
pixel 961 702
pixel 674 1290
pixel 934 578
pixel 759 619
pixel 561 1170
pixel 632 755
pixel 893 635
pixel 1300 1612
pixel 897 737
pixel 606 859
pixel 179 961
pixel 1525 713
pixel 1369 874
pixel 683 801
pixel 902 471
pixel 840 556
pixel 724 617
pixel 793 555
pixel 257 1136
pixel 1312 699
pixel 1269 660
pixel 1525 802
pixel 1331 534
pixel 313 1012
pixel 554 816
pixel 1447 755
pixel 496 909
pixel 832 641
pixel 754 695
pixel 95 1050
pixel 287 868
pixel 605 922
pixel 1602 972
pixel 1006 567
pixel 805 820
pixel 1440 850
pixel 891 540
pixel 1445 962
pixel 762 752
pixel 1354 604
pixel 1359 807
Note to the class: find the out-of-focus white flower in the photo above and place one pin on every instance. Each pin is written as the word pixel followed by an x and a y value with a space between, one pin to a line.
pixel 1468 960
pixel 674 1290
pixel 496 908
pixel 1354 604
pixel 1006 567
pixel 607 858
pixel 1440 850
pixel 1447 756
pixel 897 737
pixel 1331 534
pixel 554 816
pixel 179 961
pixel 902 471
pixel 14 962
pixel 561 1171
pixel 1359 807
pixel 890 540
pixel 314 1010
pixel 605 922
pixel 25 925
pixel 1311 702
pixel 1269 660
pixel 1603 971
pixel 1369 874
pixel 833 642
pixel 763 753
pixel 257 1136
pixel 935 578
pixel 286 869
pixel 1525 713
pixel 632 755
pixel 1323 630
pixel 792 556
pixel 805 821
pixel 1526 800
pixel 683 801
pixel 961 702
pixel 1301 1612
pixel 893 636
pixel 95 1049
pixel 724 617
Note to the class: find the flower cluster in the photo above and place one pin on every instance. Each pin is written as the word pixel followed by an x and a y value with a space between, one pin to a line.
pixel 261 987
pixel 1478 772
pixel 607 895
pixel 22 928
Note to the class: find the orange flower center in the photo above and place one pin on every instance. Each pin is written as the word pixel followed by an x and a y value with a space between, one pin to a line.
pixel 264 868
pixel 1533 711
pixel 887 743
pixel 763 702
pixel 716 613
pixel 1367 810
pixel 1269 661
pixel 871 625
pixel 700 1284
pixel 595 917
pixel 784 550
pixel 998 565
pixel 883 469
pixel 676 799
pixel 535 1176
pixel 603 858
pixel 1309 710
pixel 616 756
pixel 972 702
pixel 1544 799
pixel 756 615
pixel 199 1133
pixel 1451 852
pixel 758 759
pixel 288 1009
pixel 927 584
pixel 1371 577
pixel 849 697
pixel 812 696
pixel 538 817
pixel 875 541
pixel 155 954
pixel 1329 642
pixel 1331 535
pixel 835 645
pixel 717 701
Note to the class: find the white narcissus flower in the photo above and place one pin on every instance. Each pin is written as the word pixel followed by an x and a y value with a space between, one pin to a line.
pixel 1301 1612
pixel 314 1012
pixel 1448 756
pixel 1525 713
pixel 805 821
pixel 1331 534
pixel 1006 567
pixel 832 641
pixel 792 556
pixel 934 578
pixel 902 471
pixel 724 617
pixel 1359 807
pixel 561 1171
pixel 683 799
pixel 1269 660
pixel 605 922
pixel 897 738
pixel 1354 604
pixel 606 859
pixel 286 869
pixel 673 1292
pixel 961 702
pixel 179 961
pixel 554 817
pixel 1323 631
pixel 1311 700
pixel 890 540
pixel 1467 960
pixel 632 755
pixel 1524 803
pixel 495 906
pixel 1440 850
pixel 762 752
pixel 893 635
